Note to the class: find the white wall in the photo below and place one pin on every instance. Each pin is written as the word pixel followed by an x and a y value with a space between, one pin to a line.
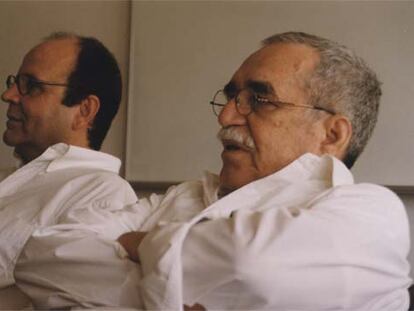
pixel 24 23
pixel 186 50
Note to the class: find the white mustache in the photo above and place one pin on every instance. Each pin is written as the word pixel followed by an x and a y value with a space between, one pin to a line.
pixel 233 133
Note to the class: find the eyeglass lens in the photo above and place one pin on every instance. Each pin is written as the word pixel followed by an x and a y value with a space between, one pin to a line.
pixel 220 100
pixel 245 102
pixel 22 83
pixel 10 81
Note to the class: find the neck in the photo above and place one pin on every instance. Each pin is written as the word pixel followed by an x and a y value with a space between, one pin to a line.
pixel 27 154
pixel 222 192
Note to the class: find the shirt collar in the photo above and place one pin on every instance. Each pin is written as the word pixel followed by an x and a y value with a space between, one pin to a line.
pixel 313 167
pixel 210 184
pixel 307 167
pixel 63 156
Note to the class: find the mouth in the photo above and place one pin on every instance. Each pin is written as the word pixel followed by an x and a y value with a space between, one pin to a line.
pixel 13 122
pixel 14 118
pixel 232 145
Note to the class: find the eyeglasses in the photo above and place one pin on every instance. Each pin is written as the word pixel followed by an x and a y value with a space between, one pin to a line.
pixel 247 102
pixel 27 84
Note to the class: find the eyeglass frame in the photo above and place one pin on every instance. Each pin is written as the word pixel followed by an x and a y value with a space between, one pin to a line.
pixel 275 103
pixel 14 79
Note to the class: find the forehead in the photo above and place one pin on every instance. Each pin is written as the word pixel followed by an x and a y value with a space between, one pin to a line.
pixel 283 66
pixel 51 60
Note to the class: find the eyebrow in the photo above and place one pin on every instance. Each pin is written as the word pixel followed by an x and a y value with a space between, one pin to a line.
pixel 261 87
pixel 257 86
pixel 230 89
pixel 30 76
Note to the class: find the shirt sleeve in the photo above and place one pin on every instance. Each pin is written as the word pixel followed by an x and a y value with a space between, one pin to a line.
pixel 76 262
pixel 350 244
pixel 108 206
pixel 77 268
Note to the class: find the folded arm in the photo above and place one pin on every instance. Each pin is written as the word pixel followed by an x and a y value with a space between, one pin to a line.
pixel 350 245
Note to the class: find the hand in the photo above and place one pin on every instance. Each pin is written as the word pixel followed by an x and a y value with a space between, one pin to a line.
pixel 130 241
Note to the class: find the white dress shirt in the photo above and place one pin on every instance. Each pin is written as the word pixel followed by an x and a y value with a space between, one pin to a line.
pixel 70 265
pixel 304 238
pixel 65 185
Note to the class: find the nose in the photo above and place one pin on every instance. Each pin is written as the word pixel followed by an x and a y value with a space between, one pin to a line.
pixel 230 116
pixel 11 95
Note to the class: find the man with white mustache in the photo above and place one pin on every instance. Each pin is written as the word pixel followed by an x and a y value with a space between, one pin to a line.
pixel 284 226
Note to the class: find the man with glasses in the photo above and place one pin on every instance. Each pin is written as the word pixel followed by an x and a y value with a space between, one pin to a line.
pixel 60 107
pixel 284 226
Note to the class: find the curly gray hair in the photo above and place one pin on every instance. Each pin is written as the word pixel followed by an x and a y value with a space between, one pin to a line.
pixel 342 82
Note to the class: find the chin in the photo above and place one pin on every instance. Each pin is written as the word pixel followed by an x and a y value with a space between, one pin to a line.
pixel 13 140
pixel 231 180
pixel 9 141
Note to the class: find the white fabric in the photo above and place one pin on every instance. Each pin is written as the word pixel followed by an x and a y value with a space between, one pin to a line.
pixel 76 268
pixel 69 265
pixel 304 238
pixel 66 186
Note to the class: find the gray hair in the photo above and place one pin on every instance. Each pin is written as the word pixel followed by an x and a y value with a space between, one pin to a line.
pixel 342 82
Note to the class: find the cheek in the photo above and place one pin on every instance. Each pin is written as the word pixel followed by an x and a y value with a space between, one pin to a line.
pixel 279 142
pixel 271 138
pixel 38 117
pixel 33 119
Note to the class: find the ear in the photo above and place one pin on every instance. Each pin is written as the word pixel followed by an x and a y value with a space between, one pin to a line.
pixel 338 129
pixel 88 108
